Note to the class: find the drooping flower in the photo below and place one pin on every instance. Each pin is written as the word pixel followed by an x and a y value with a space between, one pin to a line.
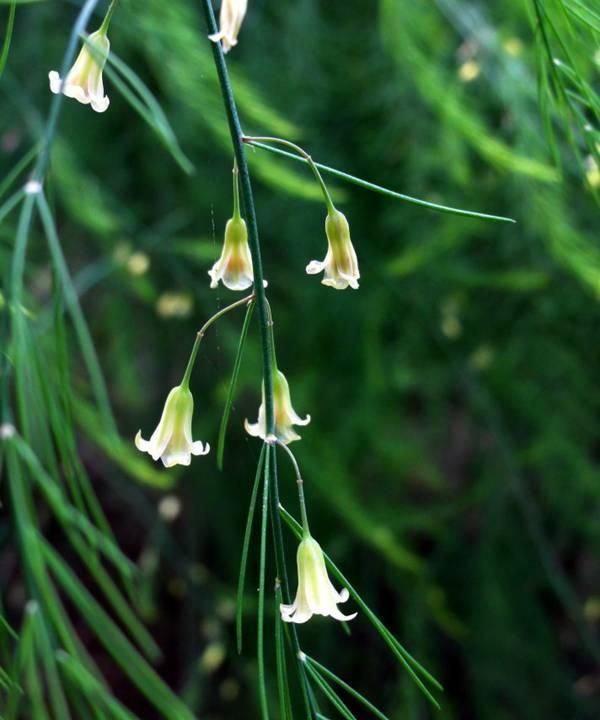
pixel 230 22
pixel 340 263
pixel 84 79
pixel 172 440
pixel 316 594
pixel 285 415
pixel 234 267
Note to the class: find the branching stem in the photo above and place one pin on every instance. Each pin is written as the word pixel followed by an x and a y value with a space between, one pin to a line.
pixel 200 334
pixel 305 155
pixel 300 484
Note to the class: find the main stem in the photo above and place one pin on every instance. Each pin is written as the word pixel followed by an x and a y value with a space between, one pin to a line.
pixel 237 135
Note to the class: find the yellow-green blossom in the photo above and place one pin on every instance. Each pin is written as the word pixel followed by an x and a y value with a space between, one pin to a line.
pixel 285 415
pixel 234 267
pixel 84 79
pixel 316 594
pixel 172 440
pixel 340 263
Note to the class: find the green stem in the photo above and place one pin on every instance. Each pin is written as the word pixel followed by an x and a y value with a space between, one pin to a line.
pixel 300 484
pixel 307 158
pixel 262 686
pixel 270 322
pixel 8 36
pixel 236 191
pixel 108 17
pixel 309 704
pixel 200 334
pixel 237 135
pixel 386 191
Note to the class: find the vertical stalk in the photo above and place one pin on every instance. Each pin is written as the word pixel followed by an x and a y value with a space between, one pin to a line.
pixel 237 136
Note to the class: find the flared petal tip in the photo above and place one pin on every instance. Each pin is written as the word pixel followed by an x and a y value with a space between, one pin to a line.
pixel 227 42
pixel 100 104
pixel 140 443
pixel 254 429
pixel 337 615
pixel 215 276
pixel 314 267
pixel 55 82
pixel 291 614
pixel 198 448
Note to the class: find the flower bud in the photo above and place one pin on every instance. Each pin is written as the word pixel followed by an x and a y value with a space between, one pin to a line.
pixel 316 594
pixel 230 22
pixel 84 79
pixel 234 267
pixel 285 415
pixel 340 263
pixel 172 440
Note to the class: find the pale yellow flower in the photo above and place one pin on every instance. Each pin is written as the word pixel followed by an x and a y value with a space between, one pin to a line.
pixel 234 267
pixel 172 440
pixel 84 79
pixel 230 22
pixel 316 594
pixel 340 263
pixel 285 415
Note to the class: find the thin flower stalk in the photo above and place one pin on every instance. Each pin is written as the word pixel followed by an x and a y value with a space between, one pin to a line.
pixel 172 439
pixel 340 265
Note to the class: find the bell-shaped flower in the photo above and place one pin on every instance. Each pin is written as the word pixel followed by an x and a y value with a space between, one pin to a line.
pixel 285 415
pixel 316 594
pixel 340 263
pixel 172 440
pixel 230 22
pixel 234 267
pixel 84 79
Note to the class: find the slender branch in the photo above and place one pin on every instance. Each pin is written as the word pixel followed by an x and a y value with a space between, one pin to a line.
pixel 300 484
pixel 200 334
pixel 307 158
pixel 385 191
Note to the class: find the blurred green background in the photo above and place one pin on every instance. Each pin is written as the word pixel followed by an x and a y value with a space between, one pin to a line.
pixel 451 465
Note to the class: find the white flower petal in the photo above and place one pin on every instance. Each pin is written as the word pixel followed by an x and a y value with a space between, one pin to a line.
pixel 297 420
pixel 140 443
pixel 314 267
pixel 55 82
pixel 170 458
pixel 254 429
pixel 100 104
pixel 197 448
pixel 337 615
